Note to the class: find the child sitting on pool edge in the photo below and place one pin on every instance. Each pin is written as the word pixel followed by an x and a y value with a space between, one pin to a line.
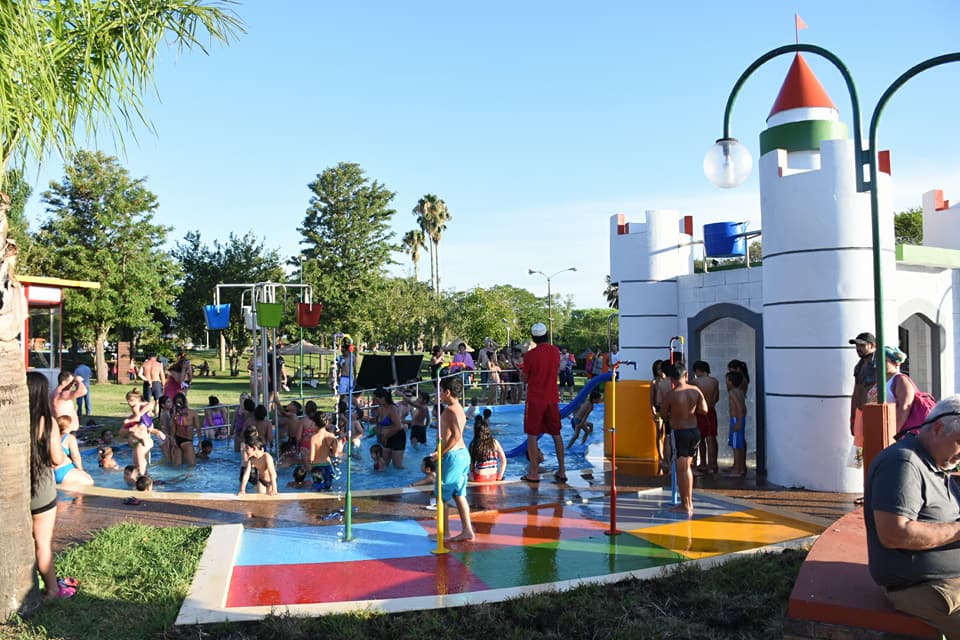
pixel 429 468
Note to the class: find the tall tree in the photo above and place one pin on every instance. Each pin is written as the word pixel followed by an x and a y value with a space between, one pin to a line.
pixel 908 226
pixel 19 191
pixel 413 242
pixel 347 244
pixel 65 63
pixel 238 260
pixel 432 215
pixel 101 228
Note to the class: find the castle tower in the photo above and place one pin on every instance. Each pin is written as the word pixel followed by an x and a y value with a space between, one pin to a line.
pixel 646 259
pixel 817 283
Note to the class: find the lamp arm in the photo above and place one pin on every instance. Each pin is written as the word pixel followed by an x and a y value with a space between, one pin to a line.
pixel 875 204
pixel 851 88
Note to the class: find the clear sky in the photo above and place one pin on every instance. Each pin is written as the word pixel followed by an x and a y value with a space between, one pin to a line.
pixel 535 121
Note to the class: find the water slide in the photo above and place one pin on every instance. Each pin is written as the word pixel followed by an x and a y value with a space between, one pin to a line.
pixel 567 409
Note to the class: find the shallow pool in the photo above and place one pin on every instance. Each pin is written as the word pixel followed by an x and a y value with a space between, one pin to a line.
pixel 221 473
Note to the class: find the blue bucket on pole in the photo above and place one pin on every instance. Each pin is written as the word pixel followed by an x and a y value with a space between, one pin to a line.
pixel 218 316
pixel 720 240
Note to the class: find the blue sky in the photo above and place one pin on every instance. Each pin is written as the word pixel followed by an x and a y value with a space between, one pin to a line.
pixel 534 121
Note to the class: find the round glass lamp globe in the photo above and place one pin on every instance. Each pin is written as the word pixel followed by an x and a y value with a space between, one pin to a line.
pixel 727 163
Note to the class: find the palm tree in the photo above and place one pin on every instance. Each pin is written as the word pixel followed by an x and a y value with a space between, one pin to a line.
pixel 66 63
pixel 432 216
pixel 413 241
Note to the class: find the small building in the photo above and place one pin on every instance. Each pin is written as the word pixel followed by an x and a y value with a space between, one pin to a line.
pixel 42 337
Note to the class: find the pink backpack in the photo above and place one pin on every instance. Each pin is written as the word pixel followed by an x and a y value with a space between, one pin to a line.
pixel 923 404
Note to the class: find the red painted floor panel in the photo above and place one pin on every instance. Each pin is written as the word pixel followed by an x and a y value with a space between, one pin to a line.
pixel 285 584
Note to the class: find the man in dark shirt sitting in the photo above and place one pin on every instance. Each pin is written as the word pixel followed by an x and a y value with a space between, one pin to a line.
pixel 912 515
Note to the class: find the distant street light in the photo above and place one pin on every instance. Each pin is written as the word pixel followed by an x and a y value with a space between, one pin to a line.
pixel 550 294
pixel 506 322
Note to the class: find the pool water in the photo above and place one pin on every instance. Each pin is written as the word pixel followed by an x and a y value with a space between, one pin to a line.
pixel 221 473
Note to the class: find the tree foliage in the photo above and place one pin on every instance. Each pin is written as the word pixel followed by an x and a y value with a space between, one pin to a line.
pixel 81 61
pixel 19 191
pixel 908 226
pixel 588 329
pixel 432 216
pixel 101 229
pixel 347 244
pixel 238 260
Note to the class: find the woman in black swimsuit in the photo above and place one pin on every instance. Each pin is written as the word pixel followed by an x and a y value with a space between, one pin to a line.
pixel 391 431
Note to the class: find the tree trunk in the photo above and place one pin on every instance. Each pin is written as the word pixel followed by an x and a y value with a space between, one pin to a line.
pixel 437 259
pixel 18 586
pixel 103 374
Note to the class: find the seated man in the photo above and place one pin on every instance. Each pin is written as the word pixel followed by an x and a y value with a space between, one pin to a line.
pixel 912 515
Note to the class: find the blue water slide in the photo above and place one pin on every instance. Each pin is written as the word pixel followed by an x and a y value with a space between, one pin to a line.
pixel 567 409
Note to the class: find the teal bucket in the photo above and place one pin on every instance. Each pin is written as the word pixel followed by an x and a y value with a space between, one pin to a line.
pixel 217 315
pixel 720 241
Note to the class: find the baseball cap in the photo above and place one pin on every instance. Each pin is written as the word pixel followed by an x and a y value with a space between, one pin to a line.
pixel 949 406
pixel 539 329
pixel 864 337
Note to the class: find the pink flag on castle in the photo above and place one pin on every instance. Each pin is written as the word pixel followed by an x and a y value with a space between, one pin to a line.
pixel 800 24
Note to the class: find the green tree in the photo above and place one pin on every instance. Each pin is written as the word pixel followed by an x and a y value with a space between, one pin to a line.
pixel 432 215
pixel 347 245
pixel 101 228
pixel 413 242
pixel 19 191
pixel 238 260
pixel 587 329
pixel 908 226
pixel 401 313
pixel 65 63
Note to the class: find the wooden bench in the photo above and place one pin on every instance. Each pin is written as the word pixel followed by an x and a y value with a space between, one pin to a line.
pixel 835 597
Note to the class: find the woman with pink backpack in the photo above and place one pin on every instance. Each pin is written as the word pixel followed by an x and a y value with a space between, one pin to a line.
pixel 913 405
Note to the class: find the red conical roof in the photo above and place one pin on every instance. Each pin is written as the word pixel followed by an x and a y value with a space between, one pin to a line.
pixel 801 89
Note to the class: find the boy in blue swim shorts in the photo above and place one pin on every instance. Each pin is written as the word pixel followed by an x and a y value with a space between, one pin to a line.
pixel 738 414
pixel 455 465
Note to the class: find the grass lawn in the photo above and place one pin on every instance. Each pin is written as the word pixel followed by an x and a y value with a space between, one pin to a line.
pixel 134 578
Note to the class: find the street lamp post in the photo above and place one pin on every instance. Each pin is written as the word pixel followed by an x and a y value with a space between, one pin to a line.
pixel 506 322
pixel 550 294
pixel 728 163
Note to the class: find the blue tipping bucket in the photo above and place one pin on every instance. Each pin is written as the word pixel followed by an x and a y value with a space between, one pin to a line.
pixel 720 241
pixel 218 316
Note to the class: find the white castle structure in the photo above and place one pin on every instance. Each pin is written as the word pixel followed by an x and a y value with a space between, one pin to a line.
pixel 791 319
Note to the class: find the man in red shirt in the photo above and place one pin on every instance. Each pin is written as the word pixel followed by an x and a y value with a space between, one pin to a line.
pixel 541 366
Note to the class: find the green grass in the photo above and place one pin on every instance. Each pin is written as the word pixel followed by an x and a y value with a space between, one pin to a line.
pixel 134 579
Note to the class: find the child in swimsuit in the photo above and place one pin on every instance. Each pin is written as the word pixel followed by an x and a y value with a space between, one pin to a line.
pixel 215 419
pixel 420 420
pixel 71 471
pixel 376 453
pixel 299 478
pixel 262 461
pixel 206 448
pixel 105 458
pixel 579 421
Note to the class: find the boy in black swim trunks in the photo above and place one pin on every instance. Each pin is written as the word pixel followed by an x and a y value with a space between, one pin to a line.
pixel 421 419
pixel 262 461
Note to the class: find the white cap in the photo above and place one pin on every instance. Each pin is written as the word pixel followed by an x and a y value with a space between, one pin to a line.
pixel 538 330
pixel 949 406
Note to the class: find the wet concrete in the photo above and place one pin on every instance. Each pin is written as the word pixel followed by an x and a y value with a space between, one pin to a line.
pixel 79 516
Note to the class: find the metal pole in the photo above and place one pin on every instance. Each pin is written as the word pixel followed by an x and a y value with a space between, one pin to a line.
pixel 613 531
pixel 348 515
pixel 550 308
pixel 301 338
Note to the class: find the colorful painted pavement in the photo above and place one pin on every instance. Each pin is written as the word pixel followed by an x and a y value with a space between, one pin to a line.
pixel 391 565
